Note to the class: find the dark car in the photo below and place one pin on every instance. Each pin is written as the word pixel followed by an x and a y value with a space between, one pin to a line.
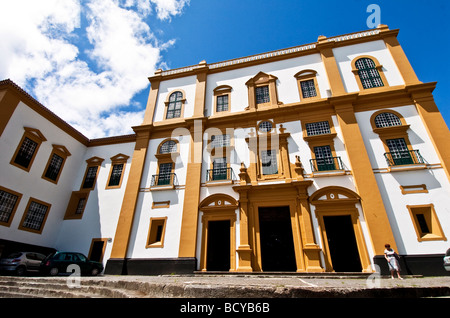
pixel 57 263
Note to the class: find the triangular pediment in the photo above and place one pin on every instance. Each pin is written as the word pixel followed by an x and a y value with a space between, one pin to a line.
pixel 261 78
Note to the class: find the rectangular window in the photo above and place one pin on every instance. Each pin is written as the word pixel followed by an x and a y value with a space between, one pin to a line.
pixel 54 167
pixel 318 128
pixel 90 178
pixel 35 216
pixel 399 152
pixel 269 162
pixel 222 103
pixel 219 169
pixel 77 205
pixel 9 201
pixel 26 152
pixel 116 175
pixel 156 232
pixel 220 141
pixel 262 94
pixel 324 158
pixel 165 173
pixel 426 223
pixel 308 88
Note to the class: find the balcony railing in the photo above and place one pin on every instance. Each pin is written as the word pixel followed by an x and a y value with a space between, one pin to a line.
pixel 164 179
pixel 326 164
pixel 407 157
pixel 219 174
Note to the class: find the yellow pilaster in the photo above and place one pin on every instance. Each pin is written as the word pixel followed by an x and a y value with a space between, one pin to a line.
pixel 364 178
pixel 244 250
pixel 126 217
pixel 434 122
pixel 188 235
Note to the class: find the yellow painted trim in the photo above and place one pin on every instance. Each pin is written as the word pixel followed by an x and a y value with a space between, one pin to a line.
pixel 379 68
pixel 34 135
pixel 105 241
pixel 437 234
pixel 25 213
pixel 63 153
pixel 13 212
pixel 126 216
pixel 116 160
pixel 336 201
pixel 152 242
pixel 372 205
pixel 306 75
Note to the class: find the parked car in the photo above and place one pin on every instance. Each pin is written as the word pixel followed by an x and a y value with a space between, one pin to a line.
pixel 57 263
pixel 21 263
pixel 447 260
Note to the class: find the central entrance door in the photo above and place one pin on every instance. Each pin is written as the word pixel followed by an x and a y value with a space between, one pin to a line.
pixel 342 243
pixel 277 244
pixel 218 253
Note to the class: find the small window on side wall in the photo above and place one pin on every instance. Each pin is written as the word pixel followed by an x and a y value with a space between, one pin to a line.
pixel 118 163
pixel 90 177
pixel 26 151
pixel 55 163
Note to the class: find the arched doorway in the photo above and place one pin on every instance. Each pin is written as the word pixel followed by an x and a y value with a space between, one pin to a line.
pixel 343 241
pixel 218 247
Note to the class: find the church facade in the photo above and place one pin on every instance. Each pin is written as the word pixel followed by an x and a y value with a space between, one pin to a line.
pixel 306 159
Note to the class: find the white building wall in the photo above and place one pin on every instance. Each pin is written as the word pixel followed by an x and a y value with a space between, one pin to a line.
pixel 31 184
pixel 284 70
pixel 187 85
pixel 103 207
pixel 344 56
pixel 389 183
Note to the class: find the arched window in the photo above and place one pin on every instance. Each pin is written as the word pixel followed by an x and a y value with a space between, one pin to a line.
pixel 387 120
pixel 168 147
pixel 175 104
pixel 368 73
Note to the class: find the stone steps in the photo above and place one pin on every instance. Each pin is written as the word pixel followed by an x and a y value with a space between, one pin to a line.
pixel 24 287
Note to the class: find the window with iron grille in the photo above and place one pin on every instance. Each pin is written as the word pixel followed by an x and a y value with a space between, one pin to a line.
pixel 35 216
pixel 265 126
pixel 175 104
pixel 165 171
pixel 219 169
pixel 222 103
pixel 116 175
pixel 220 141
pixel 7 204
pixel 26 152
pixel 90 177
pixel 80 206
pixel 368 73
pixel 397 145
pixel 387 120
pixel 168 147
pixel 54 167
pixel 269 162
pixel 308 88
pixel 262 94
pixel 318 128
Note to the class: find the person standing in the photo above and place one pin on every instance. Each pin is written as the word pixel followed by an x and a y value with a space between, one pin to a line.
pixel 391 257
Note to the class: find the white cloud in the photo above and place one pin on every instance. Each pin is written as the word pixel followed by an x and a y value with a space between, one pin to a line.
pixel 85 85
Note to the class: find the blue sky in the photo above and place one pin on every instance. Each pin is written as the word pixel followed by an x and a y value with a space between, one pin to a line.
pixel 88 60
